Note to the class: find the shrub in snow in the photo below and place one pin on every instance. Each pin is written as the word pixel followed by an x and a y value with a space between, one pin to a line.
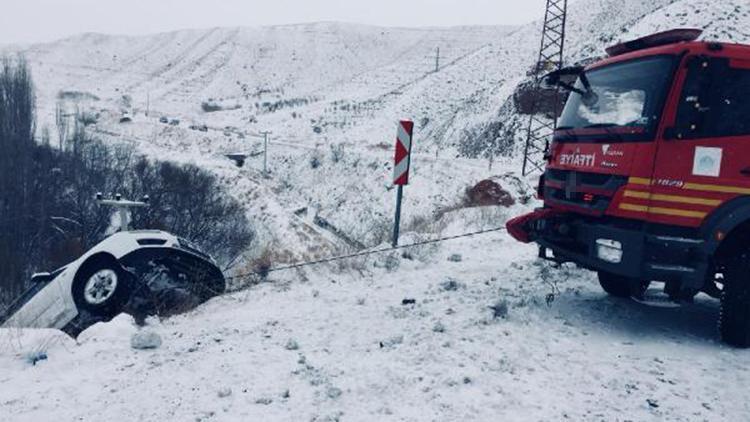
pixel 439 327
pixel 224 392
pixel 500 309
pixel 33 345
pixel 334 393
pixel 145 340
pixel 337 152
pixel 291 344
pixel 210 106
pixel 451 285
pixel 389 262
pixel 491 139
pixel 455 258
pixel 315 161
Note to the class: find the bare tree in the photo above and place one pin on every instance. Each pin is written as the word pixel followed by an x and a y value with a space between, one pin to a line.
pixel 17 120
pixel 61 122
pixel 48 212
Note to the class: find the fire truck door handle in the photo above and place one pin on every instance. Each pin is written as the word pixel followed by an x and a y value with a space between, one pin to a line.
pixel 745 171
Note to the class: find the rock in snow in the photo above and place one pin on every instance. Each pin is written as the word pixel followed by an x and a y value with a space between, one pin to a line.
pixel 291 344
pixel 334 393
pixel 145 340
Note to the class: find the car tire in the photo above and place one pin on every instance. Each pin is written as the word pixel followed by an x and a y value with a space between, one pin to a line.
pixel 620 286
pixel 734 317
pixel 102 288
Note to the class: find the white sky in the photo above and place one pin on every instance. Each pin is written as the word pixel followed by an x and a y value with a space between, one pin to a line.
pixel 24 21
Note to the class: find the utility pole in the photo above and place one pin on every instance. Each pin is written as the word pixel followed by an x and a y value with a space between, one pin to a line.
pixel 265 151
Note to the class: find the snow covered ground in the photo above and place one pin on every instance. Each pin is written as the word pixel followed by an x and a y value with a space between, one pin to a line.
pixel 331 345
pixel 336 342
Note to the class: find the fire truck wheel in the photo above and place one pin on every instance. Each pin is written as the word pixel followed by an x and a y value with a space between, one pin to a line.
pixel 620 286
pixel 734 318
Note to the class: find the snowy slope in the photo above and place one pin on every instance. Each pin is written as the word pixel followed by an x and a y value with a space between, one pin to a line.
pixel 330 86
pixel 341 346
pixel 335 342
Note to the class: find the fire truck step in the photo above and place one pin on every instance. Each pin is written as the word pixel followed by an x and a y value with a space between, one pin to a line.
pixel 657 300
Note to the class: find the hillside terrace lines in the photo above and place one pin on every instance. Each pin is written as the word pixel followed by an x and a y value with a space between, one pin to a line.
pixel 176 67
pixel 202 72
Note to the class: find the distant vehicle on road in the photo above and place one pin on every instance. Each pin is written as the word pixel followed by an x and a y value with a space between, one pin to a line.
pixel 143 273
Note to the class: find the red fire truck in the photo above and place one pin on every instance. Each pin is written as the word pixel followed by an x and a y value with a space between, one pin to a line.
pixel 648 173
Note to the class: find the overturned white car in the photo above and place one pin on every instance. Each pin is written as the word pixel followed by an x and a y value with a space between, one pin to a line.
pixel 143 273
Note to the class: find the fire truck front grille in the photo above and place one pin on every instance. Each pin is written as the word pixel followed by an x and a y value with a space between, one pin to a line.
pixel 590 193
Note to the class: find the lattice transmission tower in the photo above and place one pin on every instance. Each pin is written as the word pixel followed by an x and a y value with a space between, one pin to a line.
pixel 541 125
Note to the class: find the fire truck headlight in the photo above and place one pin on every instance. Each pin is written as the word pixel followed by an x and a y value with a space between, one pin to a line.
pixel 609 250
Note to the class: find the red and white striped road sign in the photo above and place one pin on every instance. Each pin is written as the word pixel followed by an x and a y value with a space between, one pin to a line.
pixel 403 153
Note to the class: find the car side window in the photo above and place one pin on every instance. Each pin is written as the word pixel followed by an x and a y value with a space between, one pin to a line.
pixel 715 100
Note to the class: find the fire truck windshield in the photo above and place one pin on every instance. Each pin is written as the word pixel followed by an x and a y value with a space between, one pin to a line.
pixel 622 95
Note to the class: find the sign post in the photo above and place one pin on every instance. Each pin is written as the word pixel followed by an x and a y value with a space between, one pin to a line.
pixel 401 169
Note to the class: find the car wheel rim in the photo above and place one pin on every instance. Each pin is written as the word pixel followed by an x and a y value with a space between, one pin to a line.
pixel 100 287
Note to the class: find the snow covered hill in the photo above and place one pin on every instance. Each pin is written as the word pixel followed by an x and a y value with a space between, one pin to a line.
pixel 332 93
pixel 335 342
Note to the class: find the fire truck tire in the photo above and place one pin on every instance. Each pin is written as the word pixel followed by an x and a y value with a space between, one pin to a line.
pixel 620 286
pixel 734 317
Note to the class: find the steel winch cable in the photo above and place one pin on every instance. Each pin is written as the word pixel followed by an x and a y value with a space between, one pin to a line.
pixel 362 253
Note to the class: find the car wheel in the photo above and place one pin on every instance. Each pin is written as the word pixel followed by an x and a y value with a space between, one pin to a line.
pixel 102 288
pixel 734 318
pixel 621 286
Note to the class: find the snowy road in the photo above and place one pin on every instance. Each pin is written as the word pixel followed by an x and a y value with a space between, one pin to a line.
pixel 343 347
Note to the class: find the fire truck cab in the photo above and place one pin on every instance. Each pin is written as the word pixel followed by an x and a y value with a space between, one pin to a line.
pixel 648 173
